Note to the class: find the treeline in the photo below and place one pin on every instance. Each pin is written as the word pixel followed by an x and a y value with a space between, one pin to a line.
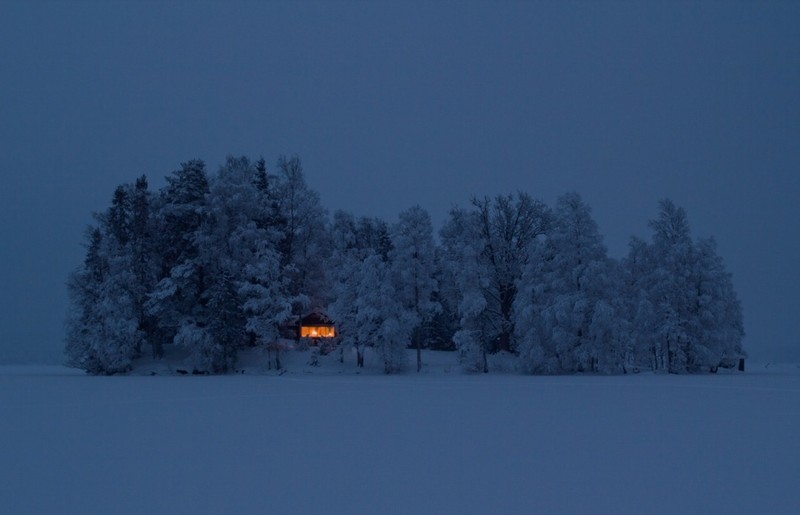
pixel 221 262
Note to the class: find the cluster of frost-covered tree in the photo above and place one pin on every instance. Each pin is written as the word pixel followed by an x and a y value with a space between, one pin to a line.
pixel 383 284
pixel 539 284
pixel 215 263
pixel 207 263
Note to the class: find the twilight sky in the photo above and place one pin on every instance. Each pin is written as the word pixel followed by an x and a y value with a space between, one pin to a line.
pixel 394 104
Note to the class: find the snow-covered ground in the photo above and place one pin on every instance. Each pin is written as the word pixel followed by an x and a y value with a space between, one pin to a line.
pixel 327 440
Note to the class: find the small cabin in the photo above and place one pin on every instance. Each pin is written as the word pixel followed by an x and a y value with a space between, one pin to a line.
pixel 316 325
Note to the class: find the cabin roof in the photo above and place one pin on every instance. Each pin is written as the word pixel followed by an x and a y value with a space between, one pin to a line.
pixel 317 317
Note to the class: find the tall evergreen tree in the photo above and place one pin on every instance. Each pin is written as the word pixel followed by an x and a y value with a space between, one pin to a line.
pixel 102 325
pixel 237 252
pixel 144 262
pixel 119 216
pixel 182 212
pixel 178 299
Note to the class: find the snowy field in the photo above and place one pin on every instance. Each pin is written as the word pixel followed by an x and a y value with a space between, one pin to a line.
pixel 439 442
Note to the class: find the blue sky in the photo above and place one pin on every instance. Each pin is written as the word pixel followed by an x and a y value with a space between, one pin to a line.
pixel 391 104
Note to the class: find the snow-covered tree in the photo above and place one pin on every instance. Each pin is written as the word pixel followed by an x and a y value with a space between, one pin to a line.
pixel 208 264
pixel 672 287
pixel 144 261
pixel 466 280
pixel 378 313
pixel 341 267
pixel 197 303
pixel 118 219
pixel 567 309
pixel 365 302
pixel 102 327
pixel 178 216
pixel 374 234
pixel 686 317
pixel 485 251
pixel 181 212
pixel 106 324
pixel 262 286
pixel 266 305
pixel 304 245
pixel 413 262
pixel 215 263
pixel 84 287
pixel 237 250
pixel 718 312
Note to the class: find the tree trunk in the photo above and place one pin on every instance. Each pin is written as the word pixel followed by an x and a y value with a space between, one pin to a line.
pixel 507 294
pixel 158 349
pixel 419 356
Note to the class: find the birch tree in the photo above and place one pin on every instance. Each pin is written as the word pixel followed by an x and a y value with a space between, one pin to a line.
pixel 413 263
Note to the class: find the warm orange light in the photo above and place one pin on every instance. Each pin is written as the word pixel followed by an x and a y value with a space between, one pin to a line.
pixel 317 331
